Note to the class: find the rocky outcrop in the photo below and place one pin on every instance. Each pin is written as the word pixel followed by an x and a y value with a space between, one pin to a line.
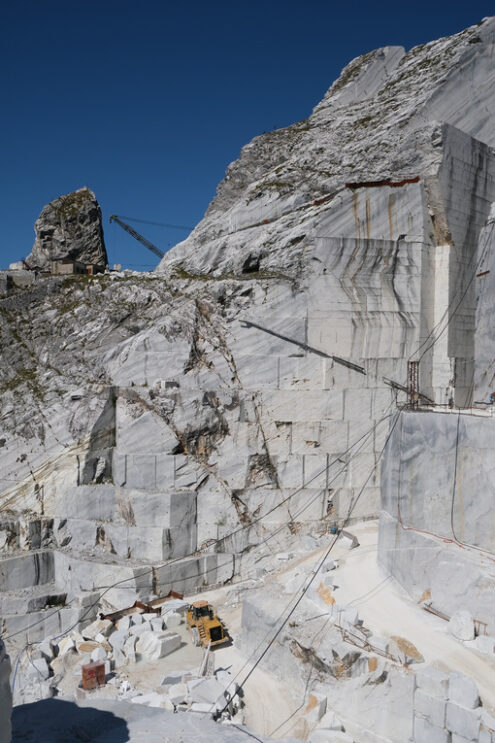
pixel 400 149
pixel 375 126
pixel 5 696
pixel 70 228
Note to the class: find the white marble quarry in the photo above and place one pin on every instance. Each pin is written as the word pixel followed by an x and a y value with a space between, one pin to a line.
pixel 436 530
pixel 244 392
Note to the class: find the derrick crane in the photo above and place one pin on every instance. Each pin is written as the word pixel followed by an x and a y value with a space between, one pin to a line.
pixel 131 231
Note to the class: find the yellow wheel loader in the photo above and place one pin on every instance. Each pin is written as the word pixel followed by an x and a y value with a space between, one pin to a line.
pixel 204 624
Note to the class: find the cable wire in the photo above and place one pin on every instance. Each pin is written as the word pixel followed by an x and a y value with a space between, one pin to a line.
pixel 312 577
pixel 264 541
pixel 158 224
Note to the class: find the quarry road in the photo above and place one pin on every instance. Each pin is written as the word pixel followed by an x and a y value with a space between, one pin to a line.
pixel 387 610
pixel 268 702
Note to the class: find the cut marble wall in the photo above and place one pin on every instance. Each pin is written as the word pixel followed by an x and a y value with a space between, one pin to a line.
pixel 484 339
pixel 5 696
pixel 436 525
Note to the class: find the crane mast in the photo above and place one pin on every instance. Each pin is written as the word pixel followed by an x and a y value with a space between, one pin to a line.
pixel 143 240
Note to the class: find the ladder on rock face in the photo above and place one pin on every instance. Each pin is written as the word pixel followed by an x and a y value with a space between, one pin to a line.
pixel 413 382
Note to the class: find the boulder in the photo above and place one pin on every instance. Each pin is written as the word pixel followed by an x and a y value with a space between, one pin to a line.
pixel 154 645
pixel 431 708
pixel 117 640
pixel 175 677
pixel 461 625
pixel 329 565
pixel 433 682
pixel 463 722
pixel 87 646
pixel 99 653
pixel 483 644
pixel 178 605
pixel 177 693
pixel 463 691
pixel 47 650
pixel 149 615
pixel 69 228
pixel 98 627
pixel 172 619
pixel 157 624
pixel 65 645
pixel 347 540
pixel 208 690
pixel 129 649
pixel 123 623
pixel 316 706
pixel 330 721
pixel 38 669
pixel 138 629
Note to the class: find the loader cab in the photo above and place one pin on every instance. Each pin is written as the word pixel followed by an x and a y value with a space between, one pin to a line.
pixel 201 609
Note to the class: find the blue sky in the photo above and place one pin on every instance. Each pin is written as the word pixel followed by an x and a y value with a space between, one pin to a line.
pixel 147 102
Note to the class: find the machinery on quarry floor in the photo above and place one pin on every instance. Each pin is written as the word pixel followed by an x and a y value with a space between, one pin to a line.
pixel 206 627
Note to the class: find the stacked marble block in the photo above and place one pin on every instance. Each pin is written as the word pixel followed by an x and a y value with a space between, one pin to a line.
pixel 312 407
pixel 134 524
pixel 156 489
pixel 447 709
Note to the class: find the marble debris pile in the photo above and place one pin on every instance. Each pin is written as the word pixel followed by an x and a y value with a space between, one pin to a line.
pixel 133 638
pixel 54 668
pixel 211 696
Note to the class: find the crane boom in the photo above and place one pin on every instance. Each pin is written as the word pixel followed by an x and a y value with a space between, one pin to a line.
pixel 131 231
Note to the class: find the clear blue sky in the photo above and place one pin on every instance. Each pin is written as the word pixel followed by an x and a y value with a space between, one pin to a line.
pixel 146 102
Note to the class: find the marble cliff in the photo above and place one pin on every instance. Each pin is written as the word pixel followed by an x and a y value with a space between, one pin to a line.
pixel 244 391
pixel 69 228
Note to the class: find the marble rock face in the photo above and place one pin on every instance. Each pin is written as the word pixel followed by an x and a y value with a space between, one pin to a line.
pixel 436 524
pixel 69 227
pixel 243 392
pixel 5 696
